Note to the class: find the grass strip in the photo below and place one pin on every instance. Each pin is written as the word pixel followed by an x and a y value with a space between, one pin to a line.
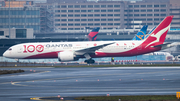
pixel 130 98
pixel 10 71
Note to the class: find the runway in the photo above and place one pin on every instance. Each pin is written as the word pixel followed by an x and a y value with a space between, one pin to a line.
pixel 86 81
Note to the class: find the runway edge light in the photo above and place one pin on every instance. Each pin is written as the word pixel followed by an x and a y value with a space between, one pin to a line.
pixel 178 95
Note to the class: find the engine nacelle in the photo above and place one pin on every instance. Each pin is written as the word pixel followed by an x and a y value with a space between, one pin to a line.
pixel 67 56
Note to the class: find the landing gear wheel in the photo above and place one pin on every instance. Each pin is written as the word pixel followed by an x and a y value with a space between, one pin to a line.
pixel 90 61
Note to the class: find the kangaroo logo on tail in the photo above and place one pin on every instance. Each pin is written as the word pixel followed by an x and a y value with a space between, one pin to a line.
pixel 158 36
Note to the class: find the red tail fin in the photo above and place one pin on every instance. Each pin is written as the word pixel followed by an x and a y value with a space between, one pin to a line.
pixel 159 34
pixel 93 34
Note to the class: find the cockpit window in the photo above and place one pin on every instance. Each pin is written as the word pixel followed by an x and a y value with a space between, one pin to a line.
pixel 10 49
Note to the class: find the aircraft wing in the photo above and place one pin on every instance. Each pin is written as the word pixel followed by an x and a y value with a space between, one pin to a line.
pixel 91 49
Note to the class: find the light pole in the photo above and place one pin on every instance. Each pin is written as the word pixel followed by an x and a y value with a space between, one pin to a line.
pixel 9 20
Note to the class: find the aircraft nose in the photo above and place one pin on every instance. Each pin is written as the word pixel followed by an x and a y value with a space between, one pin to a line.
pixel 5 54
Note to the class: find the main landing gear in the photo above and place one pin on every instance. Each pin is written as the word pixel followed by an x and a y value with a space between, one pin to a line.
pixel 90 61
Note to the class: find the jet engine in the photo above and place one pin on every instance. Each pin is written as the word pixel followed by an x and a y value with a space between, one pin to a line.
pixel 67 56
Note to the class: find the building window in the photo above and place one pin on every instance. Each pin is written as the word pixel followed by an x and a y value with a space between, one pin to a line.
pixel 156 14
pixel 83 6
pixel 156 10
pixel 70 24
pixel 130 10
pixel 70 15
pixel 156 5
pixel 57 19
pixel 90 10
pixel 110 24
pixel 90 15
pixel 136 6
pixel 163 14
pixel 163 10
pixel 57 6
pixel 149 14
pixel 21 33
pixel 103 10
pixel 63 28
pixel 163 5
pixel 96 6
pixel 103 15
pixel 1 33
pixel 57 10
pixel 110 14
pixel 90 24
pixel 149 5
pixel 83 15
pixel 103 19
pixel 103 6
pixel 77 19
pixel 90 6
pixel 77 10
pixel 116 19
pixel 130 14
pixel 57 15
pixel 63 20
pixel 70 10
pixel 90 19
pixel 117 10
pixel 96 10
pixel 70 19
pixel 130 6
pixel 76 6
pixel 77 28
pixel 96 19
pixel 96 15
pixel 63 6
pixel 143 10
pixel 110 10
pixel 63 10
pixel 149 10
pixel 110 6
pixel 83 24
pixel 136 14
pixel 77 15
pixel 116 6
pixel 97 24
pixel 103 24
pixel 70 6
pixel 83 10
pixel 70 28
pixel 77 24
pixel 149 19
pixel 156 19
pixel 143 14
pixel 110 19
pixel 149 24
pixel 136 10
pixel 116 24
pixel 63 15
pixel 116 14
pixel 143 5
pixel 83 20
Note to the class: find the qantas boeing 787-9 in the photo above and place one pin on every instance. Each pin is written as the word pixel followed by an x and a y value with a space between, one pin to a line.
pixel 72 51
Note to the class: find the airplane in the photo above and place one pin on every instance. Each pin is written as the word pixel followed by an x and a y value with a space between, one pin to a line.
pixel 141 34
pixel 73 51
pixel 93 34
